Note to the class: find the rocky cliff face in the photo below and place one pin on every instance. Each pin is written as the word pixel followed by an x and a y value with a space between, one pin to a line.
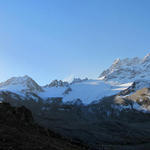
pixel 57 83
pixel 128 70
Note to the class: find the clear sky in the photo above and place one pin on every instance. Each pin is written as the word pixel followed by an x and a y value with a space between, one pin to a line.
pixel 58 39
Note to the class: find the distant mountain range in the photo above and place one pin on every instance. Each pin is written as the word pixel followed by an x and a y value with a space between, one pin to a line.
pixel 119 77
pixel 85 90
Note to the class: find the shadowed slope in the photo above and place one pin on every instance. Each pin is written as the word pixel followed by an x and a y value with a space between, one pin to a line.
pixel 18 131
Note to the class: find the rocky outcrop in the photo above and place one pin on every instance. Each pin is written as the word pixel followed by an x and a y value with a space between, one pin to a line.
pixel 57 83
pixel 78 80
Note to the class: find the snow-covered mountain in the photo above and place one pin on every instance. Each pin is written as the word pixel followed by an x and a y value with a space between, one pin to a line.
pixel 128 70
pixel 124 76
pixel 20 84
pixel 85 90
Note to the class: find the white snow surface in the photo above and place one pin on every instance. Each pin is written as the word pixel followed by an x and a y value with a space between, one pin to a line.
pixel 87 91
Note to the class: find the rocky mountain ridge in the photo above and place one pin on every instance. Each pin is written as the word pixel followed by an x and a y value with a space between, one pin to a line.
pixel 128 70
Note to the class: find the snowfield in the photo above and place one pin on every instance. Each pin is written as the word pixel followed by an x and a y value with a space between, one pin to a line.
pixel 87 91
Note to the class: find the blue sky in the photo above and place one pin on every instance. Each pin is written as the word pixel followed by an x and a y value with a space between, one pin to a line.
pixel 58 39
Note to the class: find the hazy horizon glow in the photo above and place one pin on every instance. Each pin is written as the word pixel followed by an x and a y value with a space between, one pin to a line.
pixel 61 39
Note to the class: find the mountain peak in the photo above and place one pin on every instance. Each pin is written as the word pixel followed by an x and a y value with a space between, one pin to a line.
pixel 58 83
pixel 116 61
pixel 23 83
pixel 78 80
pixel 146 58
pixel 127 70
pixel 26 77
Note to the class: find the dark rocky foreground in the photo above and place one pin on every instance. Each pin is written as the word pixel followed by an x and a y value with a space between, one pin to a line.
pixel 19 132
